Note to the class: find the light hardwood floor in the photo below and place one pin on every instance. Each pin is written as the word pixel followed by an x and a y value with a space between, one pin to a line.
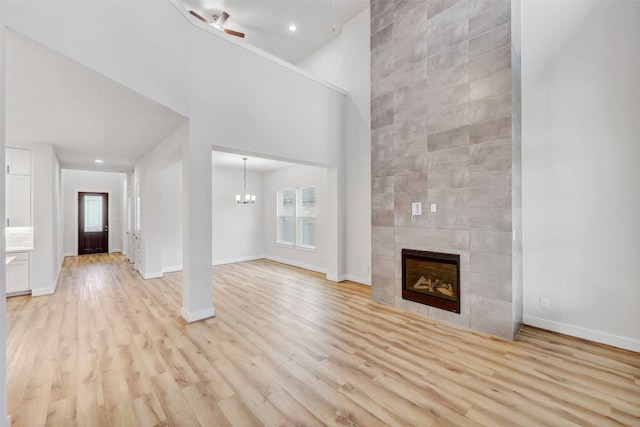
pixel 288 348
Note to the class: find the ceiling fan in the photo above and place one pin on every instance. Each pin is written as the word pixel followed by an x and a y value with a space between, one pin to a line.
pixel 217 20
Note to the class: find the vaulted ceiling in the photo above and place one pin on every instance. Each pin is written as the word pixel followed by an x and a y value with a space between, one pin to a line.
pixel 266 22
pixel 86 116
pixel 54 100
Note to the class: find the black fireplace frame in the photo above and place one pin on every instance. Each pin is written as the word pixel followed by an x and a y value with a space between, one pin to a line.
pixel 420 297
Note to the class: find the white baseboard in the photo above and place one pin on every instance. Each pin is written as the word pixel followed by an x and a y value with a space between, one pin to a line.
pixel 153 275
pixel 50 290
pixel 587 334
pixel 66 254
pixel 234 260
pixel 296 264
pixel 337 279
pixel 359 279
pixel 8 420
pixel 115 250
pixel 198 315
pixel 38 292
pixel 172 269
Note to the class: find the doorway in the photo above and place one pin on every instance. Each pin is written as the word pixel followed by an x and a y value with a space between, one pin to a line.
pixel 93 223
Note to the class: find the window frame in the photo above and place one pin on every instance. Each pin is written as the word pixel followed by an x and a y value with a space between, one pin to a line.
pixel 279 206
pixel 299 215
pixel 297 199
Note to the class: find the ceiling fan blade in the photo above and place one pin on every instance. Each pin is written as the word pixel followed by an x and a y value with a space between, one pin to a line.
pixel 233 33
pixel 198 16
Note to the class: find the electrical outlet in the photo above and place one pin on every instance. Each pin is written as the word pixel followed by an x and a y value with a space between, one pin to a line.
pixel 544 302
pixel 434 208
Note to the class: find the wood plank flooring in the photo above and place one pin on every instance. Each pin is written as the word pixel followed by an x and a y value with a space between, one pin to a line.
pixel 288 348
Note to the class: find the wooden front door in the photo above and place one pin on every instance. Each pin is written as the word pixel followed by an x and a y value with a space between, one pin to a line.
pixel 93 223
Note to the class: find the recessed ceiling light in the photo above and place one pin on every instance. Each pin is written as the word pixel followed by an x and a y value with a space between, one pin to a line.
pixel 292 28
pixel 99 161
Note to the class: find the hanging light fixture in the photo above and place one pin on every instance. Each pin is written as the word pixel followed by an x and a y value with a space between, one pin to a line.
pixel 248 198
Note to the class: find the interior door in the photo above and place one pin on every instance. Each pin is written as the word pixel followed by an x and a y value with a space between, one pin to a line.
pixel 93 223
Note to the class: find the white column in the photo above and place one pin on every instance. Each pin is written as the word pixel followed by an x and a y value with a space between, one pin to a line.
pixel 197 297
pixel 151 227
pixel 336 243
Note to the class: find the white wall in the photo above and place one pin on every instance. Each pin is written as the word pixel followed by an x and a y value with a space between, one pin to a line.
pixel 3 284
pixel 151 174
pixel 57 219
pixel 170 180
pixel 345 62
pixel 292 177
pixel 74 181
pixel 581 180
pixel 238 233
pixel 327 62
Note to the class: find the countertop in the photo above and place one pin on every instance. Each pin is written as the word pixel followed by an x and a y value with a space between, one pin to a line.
pixel 19 239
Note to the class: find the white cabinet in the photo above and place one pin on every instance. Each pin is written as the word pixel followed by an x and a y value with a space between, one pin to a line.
pixel 18 187
pixel 18 273
pixel 18 161
pixel 18 200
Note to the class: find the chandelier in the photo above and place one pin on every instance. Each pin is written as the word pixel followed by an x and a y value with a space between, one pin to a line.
pixel 248 198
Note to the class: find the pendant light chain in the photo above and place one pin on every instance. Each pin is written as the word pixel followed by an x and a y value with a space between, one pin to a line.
pixel 245 176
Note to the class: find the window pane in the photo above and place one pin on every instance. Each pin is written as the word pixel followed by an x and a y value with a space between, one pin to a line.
pixel 306 216
pixel 307 231
pixel 285 227
pixel 286 215
pixel 287 202
pixel 307 201
pixel 92 213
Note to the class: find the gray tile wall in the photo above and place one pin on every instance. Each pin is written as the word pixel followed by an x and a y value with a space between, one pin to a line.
pixel 445 129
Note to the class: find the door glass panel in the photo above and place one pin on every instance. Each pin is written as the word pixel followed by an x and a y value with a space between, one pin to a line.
pixel 92 213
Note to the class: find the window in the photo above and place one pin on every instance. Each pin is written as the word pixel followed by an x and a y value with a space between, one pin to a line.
pixel 286 214
pixel 297 217
pixel 306 215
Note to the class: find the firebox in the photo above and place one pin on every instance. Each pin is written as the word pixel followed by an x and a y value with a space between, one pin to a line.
pixel 431 278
